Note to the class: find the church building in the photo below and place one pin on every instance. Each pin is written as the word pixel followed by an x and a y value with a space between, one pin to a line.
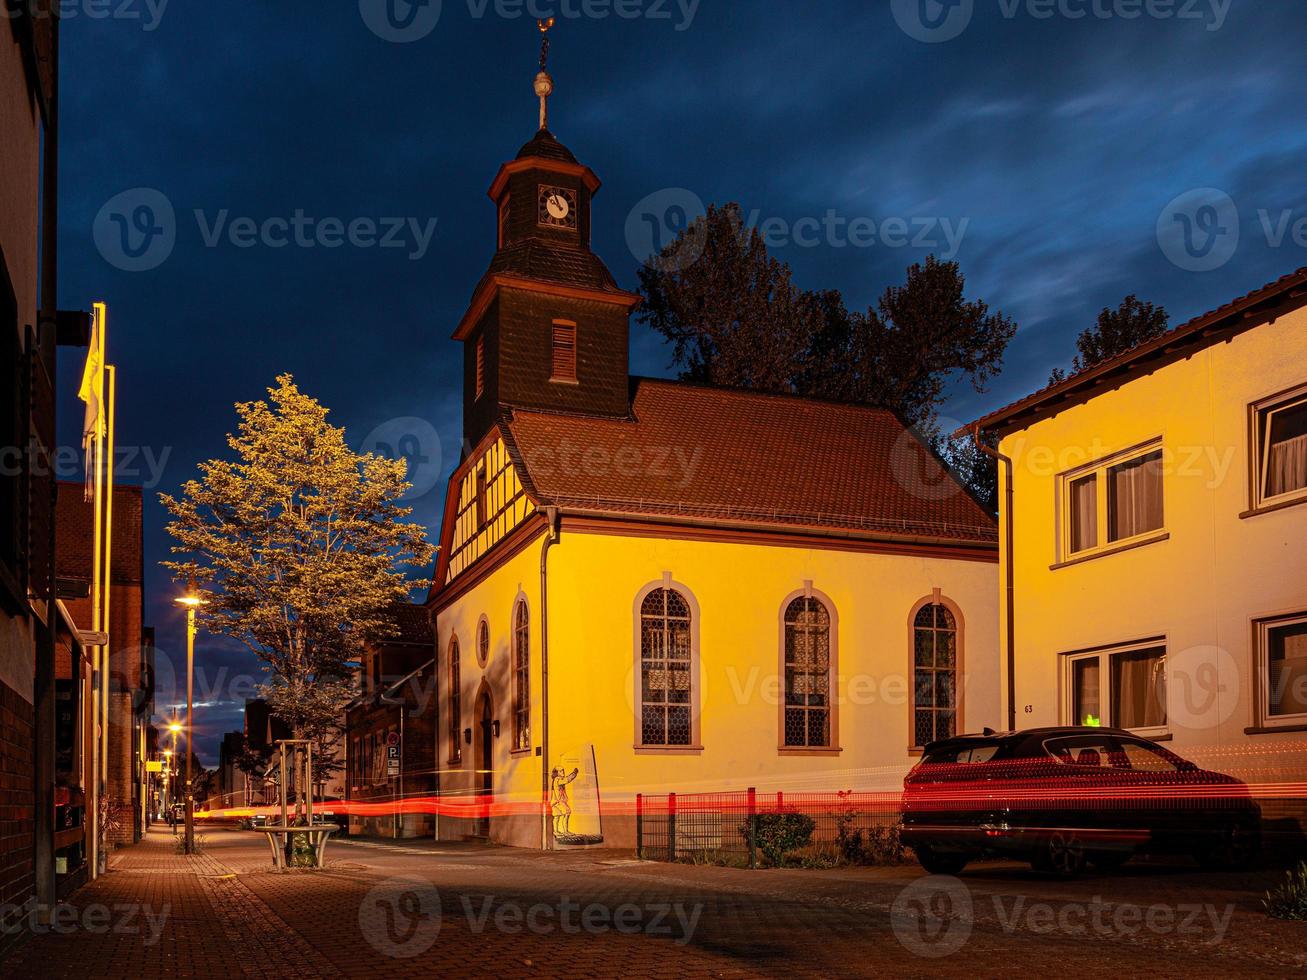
pixel 648 586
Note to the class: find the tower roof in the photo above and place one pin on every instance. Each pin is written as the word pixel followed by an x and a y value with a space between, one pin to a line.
pixel 545 146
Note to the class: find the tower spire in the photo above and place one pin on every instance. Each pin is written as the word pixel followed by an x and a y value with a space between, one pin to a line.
pixel 544 84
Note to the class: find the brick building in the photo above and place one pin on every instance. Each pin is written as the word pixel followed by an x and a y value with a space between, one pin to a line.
pixel 29 334
pixel 132 672
pixel 394 716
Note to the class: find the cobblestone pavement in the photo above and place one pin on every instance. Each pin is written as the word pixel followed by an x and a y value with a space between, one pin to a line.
pixel 420 909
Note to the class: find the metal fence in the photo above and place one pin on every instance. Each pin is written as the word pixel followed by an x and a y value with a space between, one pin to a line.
pixel 738 828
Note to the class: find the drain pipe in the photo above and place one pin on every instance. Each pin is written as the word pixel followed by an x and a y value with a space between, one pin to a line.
pixel 551 538
pixel 1010 576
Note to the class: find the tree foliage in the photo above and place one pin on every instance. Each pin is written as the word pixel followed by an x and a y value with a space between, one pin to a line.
pixel 298 544
pixel 735 318
pixel 1132 323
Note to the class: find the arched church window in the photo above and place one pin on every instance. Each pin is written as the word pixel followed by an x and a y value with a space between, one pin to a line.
pixel 665 669
pixel 521 677
pixel 807 673
pixel 935 672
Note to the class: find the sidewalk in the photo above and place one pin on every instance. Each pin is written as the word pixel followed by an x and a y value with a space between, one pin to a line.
pixel 417 908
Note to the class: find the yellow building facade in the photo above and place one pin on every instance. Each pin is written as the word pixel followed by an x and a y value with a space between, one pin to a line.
pixel 1159 542
pixel 648 587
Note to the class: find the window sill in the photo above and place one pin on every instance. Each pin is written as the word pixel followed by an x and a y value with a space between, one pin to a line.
pixel 1115 549
pixel 1270 507
pixel 565 381
pixel 916 750
pixel 807 750
pixel 519 753
pixel 1276 729
pixel 668 749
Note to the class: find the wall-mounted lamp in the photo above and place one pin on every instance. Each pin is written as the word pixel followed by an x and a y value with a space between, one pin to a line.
pixel 467 735
pixel 494 728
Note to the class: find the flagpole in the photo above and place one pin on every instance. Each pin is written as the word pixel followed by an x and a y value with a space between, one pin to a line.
pixel 93 388
pixel 97 656
pixel 107 578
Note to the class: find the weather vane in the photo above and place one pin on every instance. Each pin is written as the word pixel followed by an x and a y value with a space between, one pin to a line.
pixel 544 85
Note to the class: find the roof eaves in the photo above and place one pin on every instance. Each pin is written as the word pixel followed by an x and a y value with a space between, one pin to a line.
pixel 1260 306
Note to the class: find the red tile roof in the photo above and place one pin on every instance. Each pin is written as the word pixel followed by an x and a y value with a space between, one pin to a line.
pixel 1261 306
pixel 744 458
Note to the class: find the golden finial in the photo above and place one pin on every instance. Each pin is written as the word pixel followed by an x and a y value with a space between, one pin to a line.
pixel 544 84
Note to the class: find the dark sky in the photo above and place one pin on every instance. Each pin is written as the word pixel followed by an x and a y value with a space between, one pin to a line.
pixel 1055 144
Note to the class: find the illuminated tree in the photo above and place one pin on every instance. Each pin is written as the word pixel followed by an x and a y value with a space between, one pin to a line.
pixel 298 544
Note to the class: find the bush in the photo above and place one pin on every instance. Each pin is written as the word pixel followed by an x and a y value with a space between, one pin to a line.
pixel 1289 901
pixel 780 833
pixel 877 845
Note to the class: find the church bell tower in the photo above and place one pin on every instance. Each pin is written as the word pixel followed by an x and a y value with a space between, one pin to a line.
pixel 548 327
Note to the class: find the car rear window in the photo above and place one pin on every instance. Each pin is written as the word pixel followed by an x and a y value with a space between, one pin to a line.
pixel 981 752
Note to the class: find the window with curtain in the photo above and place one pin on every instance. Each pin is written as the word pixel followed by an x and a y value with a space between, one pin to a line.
pixel 807 674
pixel 455 703
pixel 1284 659
pixel 521 677
pixel 1086 700
pixel 1116 500
pixel 1282 433
pixel 935 664
pixel 1134 497
pixel 665 669
pixel 1084 514
pixel 1118 688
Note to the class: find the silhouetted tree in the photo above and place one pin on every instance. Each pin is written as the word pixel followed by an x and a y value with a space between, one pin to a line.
pixel 735 318
pixel 1117 331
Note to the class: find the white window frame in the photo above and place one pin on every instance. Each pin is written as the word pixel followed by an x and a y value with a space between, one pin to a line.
pixel 1099 471
pixel 1104 657
pixel 1260 444
pixel 1262 648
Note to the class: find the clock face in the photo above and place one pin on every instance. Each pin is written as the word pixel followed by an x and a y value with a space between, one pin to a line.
pixel 557 207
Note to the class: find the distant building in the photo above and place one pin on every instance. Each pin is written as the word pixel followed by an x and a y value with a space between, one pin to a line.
pixel 390 730
pixel 132 667
pixel 231 790
pixel 1159 540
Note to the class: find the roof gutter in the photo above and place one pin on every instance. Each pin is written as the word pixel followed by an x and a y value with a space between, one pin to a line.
pixel 1009 573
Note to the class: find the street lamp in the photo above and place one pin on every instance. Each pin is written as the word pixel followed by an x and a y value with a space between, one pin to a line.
pixel 192 602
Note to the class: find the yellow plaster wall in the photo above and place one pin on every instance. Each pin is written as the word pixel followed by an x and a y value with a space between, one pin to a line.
pixel 739 589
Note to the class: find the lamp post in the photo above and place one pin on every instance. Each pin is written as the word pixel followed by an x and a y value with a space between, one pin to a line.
pixel 174 729
pixel 167 781
pixel 192 602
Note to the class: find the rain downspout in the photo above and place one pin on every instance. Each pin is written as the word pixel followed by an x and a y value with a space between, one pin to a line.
pixel 551 538
pixel 1010 576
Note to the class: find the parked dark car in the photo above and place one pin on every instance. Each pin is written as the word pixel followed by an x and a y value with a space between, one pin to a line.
pixel 1062 798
